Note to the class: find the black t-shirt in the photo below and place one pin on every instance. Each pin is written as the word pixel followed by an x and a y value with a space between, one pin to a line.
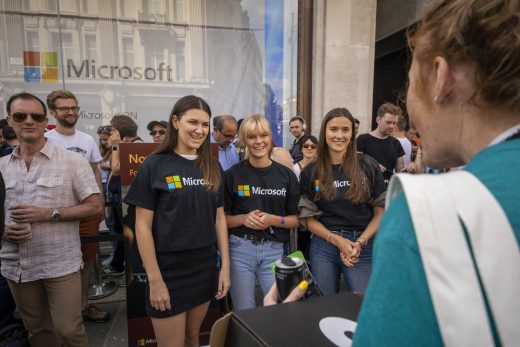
pixel 340 213
pixel 185 210
pixel 273 190
pixel 385 151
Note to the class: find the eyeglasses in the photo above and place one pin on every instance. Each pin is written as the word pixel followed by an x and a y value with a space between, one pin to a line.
pixel 66 109
pixel 155 132
pixel 313 146
pixel 104 129
pixel 19 117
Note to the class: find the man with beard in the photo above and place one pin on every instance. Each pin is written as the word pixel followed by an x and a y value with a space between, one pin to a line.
pixel 63 106
pixel 378 143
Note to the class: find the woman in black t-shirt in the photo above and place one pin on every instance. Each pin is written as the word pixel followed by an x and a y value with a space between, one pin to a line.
pixel 261 203
pixel 179 218
pixel 342 204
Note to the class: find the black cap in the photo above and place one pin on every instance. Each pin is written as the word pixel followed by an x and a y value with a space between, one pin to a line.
pixel 156 122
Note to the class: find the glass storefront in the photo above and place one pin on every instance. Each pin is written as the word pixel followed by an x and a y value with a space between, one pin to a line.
pixel 139 57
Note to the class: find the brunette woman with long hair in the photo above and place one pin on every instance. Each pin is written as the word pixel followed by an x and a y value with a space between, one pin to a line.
pixel 342 204
pixel 179 218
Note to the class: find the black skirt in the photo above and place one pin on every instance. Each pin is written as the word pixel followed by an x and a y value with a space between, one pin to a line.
pixel 191 278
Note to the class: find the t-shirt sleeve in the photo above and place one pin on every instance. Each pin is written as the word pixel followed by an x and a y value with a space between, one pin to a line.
pixel 397 308
pixel 220 201
pixel 228 191
pixel 306 186
pixel 293 193
pixel 360 144
pixel 96 155
pixel 83 181
pixel 141 192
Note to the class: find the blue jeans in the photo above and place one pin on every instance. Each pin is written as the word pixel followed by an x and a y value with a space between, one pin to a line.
pixel 326 265
pixel 250 262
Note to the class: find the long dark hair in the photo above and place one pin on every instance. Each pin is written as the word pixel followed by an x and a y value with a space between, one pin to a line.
pixel 208 164
pixel 350 166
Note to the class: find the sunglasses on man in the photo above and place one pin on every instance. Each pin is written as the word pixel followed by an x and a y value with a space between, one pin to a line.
pixel 19 117
pixel 155 132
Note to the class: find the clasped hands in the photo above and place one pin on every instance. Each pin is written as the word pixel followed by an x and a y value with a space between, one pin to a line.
pixel 257 220
pixel 349 252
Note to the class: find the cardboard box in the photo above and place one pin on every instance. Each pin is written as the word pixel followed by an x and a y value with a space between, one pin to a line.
pixel 322 321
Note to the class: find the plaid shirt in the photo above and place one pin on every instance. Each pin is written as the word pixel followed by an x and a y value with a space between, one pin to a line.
pixel 56 178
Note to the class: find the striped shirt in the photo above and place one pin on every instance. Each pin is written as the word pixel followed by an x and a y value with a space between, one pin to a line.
pixel 56 178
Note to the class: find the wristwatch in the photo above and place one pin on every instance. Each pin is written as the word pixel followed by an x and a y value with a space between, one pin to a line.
pixel 55 216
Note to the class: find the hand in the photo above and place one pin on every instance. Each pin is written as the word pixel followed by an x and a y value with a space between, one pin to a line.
pixel 411 167
pixel 25 213
pixel 252 220
pixel 382 168
pixel 17 233
pixel 348 251
pixel 114 138
pixel 224 282
pixel 273 297
pixel 159 296
pixel 265 218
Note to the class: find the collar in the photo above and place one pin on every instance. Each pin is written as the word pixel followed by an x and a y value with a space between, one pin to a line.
pixel 47 150
pixel 505 135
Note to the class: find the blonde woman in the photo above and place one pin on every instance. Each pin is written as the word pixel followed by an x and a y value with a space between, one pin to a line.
pixel 261 204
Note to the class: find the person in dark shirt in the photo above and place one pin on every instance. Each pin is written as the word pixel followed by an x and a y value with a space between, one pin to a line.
pixel 180 217
pixel 378 143
pixel 297 128
pixel 342 205
pixel 261 205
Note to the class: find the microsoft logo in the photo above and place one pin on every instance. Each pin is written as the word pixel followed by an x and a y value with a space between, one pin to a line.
pixel 40 66
pixel 174 182
pixel 317 185
pixel 243 190
pixel 141 342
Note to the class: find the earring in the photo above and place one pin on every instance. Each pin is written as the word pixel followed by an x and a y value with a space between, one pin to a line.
pixel 435 99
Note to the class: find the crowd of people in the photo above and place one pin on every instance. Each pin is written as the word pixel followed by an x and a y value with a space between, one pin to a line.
pixel 207 225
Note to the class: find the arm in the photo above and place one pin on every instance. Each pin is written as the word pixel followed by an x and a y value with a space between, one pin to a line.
pixel 25 213
pixel 105 164
pixel 399 164
pixel 224 281
pixel 159 295
pixel 115 164
pixel 97 175
pixel 345 246
pixel 371 228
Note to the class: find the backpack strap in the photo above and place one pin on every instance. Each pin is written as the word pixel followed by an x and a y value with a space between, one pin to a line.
pixel 434 203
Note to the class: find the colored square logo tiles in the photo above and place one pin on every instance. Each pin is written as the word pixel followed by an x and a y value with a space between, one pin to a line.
pixel 317 185
pixel 40 66
pixel 174 182
pixel 243 190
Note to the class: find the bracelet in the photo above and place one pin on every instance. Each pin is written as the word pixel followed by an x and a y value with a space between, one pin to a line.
pixel 361 241
pixel 282 221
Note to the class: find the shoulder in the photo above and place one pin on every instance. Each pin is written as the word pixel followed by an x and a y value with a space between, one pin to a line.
pixel 281 155
pixel 363 137
pixel 84 136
